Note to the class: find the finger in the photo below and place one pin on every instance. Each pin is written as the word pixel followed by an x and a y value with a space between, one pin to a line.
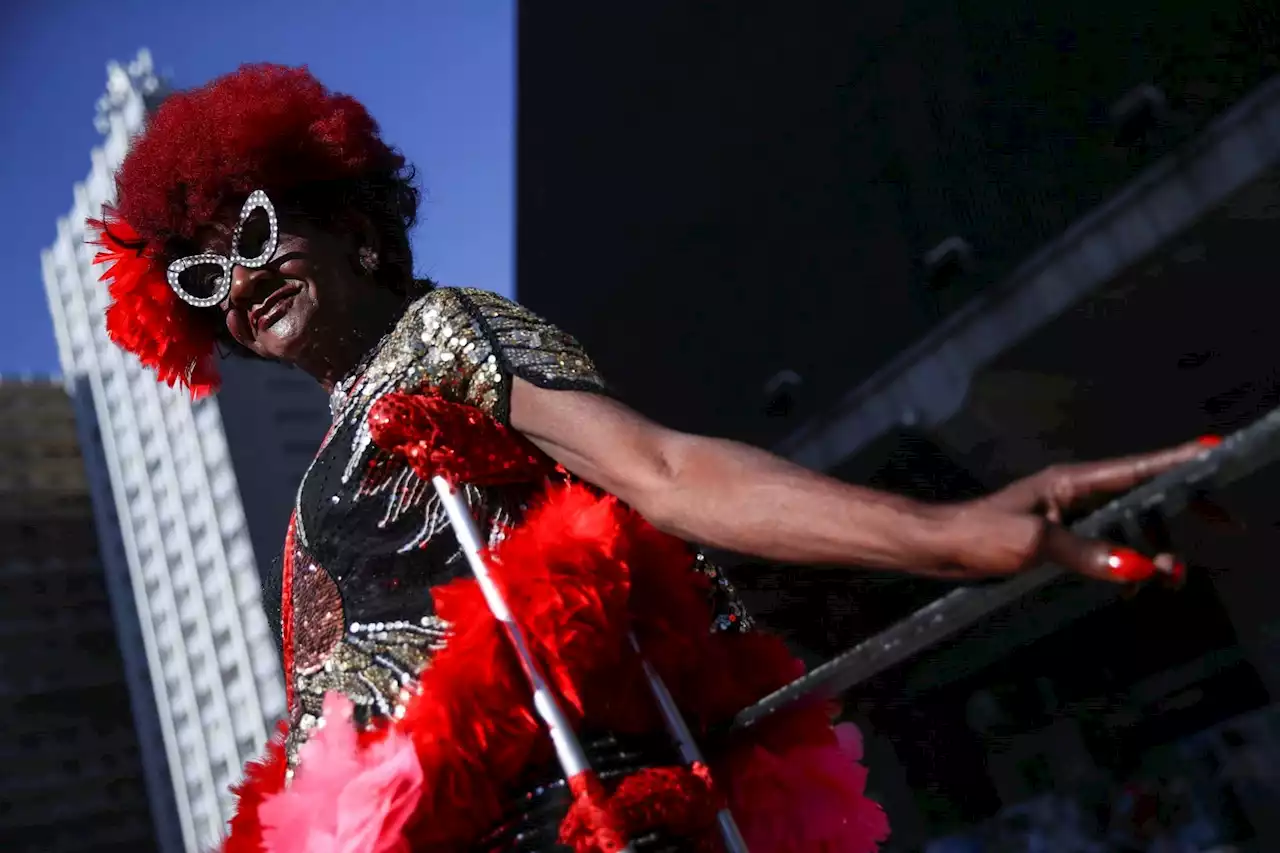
pixel 1125 565
pixel 1098 560
pixel 1105 562
pixel 1126 472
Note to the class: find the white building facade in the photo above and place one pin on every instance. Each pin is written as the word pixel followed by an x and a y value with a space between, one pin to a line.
pixel 179 542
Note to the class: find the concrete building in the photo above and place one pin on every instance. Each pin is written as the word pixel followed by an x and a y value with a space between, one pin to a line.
pixel 934 247
pixel 73 777
pixel 191 501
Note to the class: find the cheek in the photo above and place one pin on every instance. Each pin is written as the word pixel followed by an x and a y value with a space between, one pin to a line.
pixel 300 268
pixel 324 275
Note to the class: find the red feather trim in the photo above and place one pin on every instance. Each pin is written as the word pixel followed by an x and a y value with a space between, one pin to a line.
pixel 147 318
pixel 262 779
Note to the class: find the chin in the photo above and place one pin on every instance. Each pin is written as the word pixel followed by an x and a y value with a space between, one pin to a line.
pixel 282 344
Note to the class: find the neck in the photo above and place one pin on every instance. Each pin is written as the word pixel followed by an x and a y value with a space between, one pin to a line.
pixel 339 350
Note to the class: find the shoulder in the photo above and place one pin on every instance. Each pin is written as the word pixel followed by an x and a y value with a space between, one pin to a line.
pixel 470 344
pixel 528 346
pixel 497 317
pixel 442 313
pixel 458 316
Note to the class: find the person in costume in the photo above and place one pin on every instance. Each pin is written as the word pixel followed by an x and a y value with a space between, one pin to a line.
pixel 264 213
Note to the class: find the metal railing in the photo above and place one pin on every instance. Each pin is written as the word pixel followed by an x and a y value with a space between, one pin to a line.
pixel 1239 455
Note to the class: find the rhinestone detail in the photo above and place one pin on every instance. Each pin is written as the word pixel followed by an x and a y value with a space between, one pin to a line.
pixel 257 201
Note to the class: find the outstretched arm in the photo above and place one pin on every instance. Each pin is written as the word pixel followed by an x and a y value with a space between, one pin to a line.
pixel 728 495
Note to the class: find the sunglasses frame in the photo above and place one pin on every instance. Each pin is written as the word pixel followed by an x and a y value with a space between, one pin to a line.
pixel 257 201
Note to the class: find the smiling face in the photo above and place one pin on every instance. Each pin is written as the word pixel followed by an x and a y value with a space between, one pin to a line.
pixel 287 288
pixel 277 311
pixel 303 293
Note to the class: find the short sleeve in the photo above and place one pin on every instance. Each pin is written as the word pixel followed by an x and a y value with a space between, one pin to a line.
pixel 476 342
pixel 363 513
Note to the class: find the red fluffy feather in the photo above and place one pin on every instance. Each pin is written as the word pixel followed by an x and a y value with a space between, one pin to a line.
pixel 262 779
pixel 147 318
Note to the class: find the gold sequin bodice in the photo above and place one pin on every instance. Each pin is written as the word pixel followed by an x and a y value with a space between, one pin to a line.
pixel 369 538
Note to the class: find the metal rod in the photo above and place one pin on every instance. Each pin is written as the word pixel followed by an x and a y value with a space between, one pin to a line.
pixel 569 751
pixel 689 751
pixel 1239 455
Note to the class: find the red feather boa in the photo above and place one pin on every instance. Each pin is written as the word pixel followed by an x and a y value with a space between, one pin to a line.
pixel 579 574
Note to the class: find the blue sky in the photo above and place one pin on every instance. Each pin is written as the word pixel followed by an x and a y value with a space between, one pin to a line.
pixel 437 74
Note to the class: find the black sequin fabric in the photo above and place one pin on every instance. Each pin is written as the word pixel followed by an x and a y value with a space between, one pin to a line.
pixel 370 538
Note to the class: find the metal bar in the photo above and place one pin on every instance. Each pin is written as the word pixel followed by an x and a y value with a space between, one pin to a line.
pixel 1239 455
pixel 688 746
pixel 573 758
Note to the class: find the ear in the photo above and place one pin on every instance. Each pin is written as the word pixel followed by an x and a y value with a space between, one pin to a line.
pixel 360 231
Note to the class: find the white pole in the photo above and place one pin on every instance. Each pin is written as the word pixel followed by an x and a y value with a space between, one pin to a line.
pixel 689 752
pixel 573 760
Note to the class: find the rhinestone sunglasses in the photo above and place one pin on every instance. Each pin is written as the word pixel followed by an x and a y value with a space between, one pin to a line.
pixel 205 279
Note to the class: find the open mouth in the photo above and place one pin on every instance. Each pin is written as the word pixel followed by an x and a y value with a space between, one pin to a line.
pixel 273 307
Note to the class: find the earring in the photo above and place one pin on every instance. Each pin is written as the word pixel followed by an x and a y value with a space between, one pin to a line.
pixel 369 259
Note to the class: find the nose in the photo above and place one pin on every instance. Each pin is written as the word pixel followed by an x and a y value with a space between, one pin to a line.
pixel 244 282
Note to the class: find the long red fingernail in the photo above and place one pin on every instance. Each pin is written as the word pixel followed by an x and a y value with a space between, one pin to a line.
pixel 1129 566
pixel 1209 440
pixel 1178 574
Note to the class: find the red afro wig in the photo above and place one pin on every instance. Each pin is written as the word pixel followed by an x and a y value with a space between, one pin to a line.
pixel 203 151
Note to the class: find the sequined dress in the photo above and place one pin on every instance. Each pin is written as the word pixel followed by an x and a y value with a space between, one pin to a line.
pixel 369 540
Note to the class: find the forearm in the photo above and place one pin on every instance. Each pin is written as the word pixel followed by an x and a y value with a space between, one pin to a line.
pixel 739 498
pixel 731 496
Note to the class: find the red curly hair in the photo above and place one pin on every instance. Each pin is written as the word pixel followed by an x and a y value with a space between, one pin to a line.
pixel 202 152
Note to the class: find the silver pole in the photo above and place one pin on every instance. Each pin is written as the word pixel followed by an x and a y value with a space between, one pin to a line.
pixel 569 751
pixel 689 752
